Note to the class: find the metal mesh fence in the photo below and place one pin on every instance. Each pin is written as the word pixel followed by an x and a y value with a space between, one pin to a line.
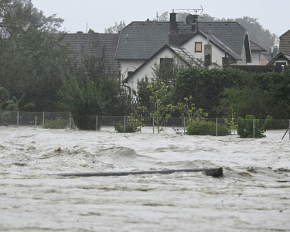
pixel 44 119
pixel 209 126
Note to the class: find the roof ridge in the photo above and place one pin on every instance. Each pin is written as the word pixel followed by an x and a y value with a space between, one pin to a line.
pixel 257 44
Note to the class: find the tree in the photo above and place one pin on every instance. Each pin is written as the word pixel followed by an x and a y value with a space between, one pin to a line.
pixel 257 33
pixel 205 86
pixel 161 111
pixel 94 90
pixel 18 15
pixel 244 101
pixel 116 28
pixel 33 64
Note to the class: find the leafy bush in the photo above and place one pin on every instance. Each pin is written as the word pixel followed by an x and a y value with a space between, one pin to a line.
pixel 203 127
pixel 129 128
pixel 252 128
pixel 57 123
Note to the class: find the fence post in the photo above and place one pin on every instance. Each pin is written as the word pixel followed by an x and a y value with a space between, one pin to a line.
pixel 17 118
pixel 97 123
pixel 216 127
pixel 254 128
pixel 289 129
pixel 184 125
pixel 124 124
pixel 153 125
pixel 43 119
pixel 70 121
pixel 35 121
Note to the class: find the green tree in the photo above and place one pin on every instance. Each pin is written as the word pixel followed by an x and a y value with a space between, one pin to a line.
pixel 245 101
pixel 33 64
pixel 18 15
pixel 94 91
pixel 205 86
pixel 82 99
pixel 161 111
pixel 116 28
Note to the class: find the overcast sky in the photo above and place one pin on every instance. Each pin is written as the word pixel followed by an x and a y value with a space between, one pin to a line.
pixel 98 15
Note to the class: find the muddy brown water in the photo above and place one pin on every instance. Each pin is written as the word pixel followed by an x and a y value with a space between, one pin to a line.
pixel 253 194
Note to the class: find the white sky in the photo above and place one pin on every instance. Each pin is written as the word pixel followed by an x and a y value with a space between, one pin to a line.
pixel 98 15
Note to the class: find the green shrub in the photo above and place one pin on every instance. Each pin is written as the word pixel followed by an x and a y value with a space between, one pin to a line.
pixel 130 127
pixel 203 127
pixel 251 127
pixel 57 123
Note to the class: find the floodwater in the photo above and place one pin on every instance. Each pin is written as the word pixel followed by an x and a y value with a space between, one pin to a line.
pixel 253 194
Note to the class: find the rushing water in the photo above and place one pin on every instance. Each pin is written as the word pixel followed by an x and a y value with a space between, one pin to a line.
pixel 253 194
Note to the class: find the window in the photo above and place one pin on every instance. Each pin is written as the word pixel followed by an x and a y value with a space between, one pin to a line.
pixel 166 63
pixel 198 46
pixel 166 68
pixel 129 73
pixel 280 63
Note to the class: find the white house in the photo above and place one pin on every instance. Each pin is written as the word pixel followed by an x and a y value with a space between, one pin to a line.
pixel 141 45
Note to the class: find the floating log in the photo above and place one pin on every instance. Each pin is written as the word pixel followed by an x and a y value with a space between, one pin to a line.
pixel 214 172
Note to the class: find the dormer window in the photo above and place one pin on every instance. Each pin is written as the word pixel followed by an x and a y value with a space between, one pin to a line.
pixel 198 46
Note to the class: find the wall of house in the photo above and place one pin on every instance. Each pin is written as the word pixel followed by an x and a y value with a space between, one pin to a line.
pixel 256 58
pixel 284 44
pixel 146 70
pixel 217 53
pixel 129 65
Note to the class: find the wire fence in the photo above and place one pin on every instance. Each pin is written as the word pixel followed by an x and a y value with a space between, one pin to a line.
pixel 196 126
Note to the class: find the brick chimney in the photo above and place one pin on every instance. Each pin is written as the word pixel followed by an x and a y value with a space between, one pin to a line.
pixel 173 24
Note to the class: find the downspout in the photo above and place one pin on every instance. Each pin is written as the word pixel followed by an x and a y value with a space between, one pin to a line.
pixel 129 89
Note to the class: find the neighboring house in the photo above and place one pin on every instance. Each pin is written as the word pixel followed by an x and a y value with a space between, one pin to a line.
pixel 280 59
pixel 257 54
pixel 142 45
pixel 284 43
pixel 283 57
pixel 84 45
pixel 267 56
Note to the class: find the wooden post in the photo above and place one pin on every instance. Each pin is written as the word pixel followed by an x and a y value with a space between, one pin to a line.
pixel 254 128
pixel 216 127
pixel 43 119
pixel 17 118
pixel 214 172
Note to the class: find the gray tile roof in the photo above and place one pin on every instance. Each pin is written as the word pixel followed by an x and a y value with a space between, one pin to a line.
pixel 140 40
pixel 230 34
pixel 256 47
pixel 93 43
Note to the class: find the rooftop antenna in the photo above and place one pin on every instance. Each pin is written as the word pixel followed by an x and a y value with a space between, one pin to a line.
pixel 193 10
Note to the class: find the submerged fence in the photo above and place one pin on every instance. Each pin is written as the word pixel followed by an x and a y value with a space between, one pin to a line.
pixel 210 126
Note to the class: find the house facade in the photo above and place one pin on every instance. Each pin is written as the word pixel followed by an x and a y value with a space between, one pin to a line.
pixel 142 45
pixel 257 54
pixel 213 44
pixel 283 56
